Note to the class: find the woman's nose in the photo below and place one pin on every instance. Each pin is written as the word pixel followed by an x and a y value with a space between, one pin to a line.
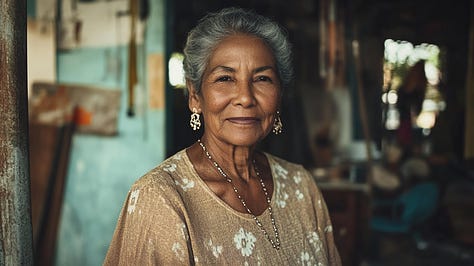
pixel 245 94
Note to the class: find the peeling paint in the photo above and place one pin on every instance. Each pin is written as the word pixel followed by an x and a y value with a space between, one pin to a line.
pixel 15 215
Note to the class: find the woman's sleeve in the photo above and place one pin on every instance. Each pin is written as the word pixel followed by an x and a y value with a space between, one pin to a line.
pixel 151 229
pixel 324 224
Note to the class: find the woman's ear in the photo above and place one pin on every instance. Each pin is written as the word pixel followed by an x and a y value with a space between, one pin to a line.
pixel 193 97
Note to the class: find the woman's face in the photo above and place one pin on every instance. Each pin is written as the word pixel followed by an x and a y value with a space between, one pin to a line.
pixel 240 91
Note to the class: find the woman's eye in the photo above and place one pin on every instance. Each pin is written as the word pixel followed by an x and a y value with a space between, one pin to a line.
pixel 224 79
pixel 263 78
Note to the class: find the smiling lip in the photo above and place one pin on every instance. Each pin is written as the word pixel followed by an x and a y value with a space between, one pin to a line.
pixel 243 120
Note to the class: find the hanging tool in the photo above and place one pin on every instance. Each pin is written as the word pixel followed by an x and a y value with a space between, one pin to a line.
pixel 144 12
pixel 132 58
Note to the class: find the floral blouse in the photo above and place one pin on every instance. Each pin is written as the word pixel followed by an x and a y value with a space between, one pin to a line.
pixel 171 217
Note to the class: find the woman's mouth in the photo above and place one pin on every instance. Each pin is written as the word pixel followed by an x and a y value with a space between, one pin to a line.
pixel 243 120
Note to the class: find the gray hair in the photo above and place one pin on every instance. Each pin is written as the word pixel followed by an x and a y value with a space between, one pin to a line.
pixel 215 27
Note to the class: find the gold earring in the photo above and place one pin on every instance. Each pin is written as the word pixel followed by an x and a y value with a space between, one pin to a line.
pixel 195 122
pixel 277 125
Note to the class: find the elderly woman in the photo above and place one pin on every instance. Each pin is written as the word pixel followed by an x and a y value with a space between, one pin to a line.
pixel 221 201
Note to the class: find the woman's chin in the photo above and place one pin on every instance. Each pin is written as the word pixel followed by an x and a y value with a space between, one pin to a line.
pixel 244 139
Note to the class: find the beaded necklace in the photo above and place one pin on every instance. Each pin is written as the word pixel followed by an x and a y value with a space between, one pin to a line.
pixel 275 242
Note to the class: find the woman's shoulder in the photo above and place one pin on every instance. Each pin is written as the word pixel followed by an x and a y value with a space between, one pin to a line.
pixel 283 164
pixel 293 183
pixel 164 175
pixel 162 186
pixel 284 169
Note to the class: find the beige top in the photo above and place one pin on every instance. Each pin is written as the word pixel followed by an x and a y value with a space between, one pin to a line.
pixel 171 217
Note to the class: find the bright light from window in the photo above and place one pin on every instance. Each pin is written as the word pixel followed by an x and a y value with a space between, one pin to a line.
pixel 403 52
pixel 429 105
pixel 442 105
pixel 405 49
pixel 391 51
pixel 432 73
pixel 176 70
pixel 400 56
pixel 390 97
pixel 393 118
pixel 426 119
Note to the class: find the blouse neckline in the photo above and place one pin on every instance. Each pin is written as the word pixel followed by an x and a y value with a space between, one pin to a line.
pixel 206 188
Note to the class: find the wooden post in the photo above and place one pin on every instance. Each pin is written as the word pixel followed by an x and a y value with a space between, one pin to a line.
pixel 363 109
pixel 469 131
pixel 15 217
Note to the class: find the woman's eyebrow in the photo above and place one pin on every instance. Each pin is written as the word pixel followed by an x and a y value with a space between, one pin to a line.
pixel 223 68
pixel 263 68
pixel 232 70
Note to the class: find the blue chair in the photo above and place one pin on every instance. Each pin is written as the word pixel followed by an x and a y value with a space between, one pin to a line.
pixel 408 212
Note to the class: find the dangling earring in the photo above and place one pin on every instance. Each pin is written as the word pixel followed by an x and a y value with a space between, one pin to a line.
pixel 195 122
pixel 277 125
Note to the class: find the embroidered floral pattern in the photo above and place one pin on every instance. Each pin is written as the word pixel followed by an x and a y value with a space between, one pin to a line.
pixel 299 195
pixel 132 202
pixel 185 184
pixel 313 238
pixel 306 258
pixel 328 229
pixel 297 178
pixel 181 227
pixel 281 195
pixel 178 251
pixel 280 171
pixel 169 167
pixel 245 242
pixel 216 249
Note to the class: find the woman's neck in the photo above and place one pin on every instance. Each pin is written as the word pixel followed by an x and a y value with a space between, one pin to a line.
pixel 236 161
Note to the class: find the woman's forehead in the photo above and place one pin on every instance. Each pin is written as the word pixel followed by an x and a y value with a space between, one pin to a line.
pixel 241 49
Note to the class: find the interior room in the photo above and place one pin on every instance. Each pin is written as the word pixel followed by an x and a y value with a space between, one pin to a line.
pixel 381 112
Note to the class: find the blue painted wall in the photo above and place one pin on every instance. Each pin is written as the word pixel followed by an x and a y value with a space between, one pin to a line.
pixel 102 169
pixel 31 8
